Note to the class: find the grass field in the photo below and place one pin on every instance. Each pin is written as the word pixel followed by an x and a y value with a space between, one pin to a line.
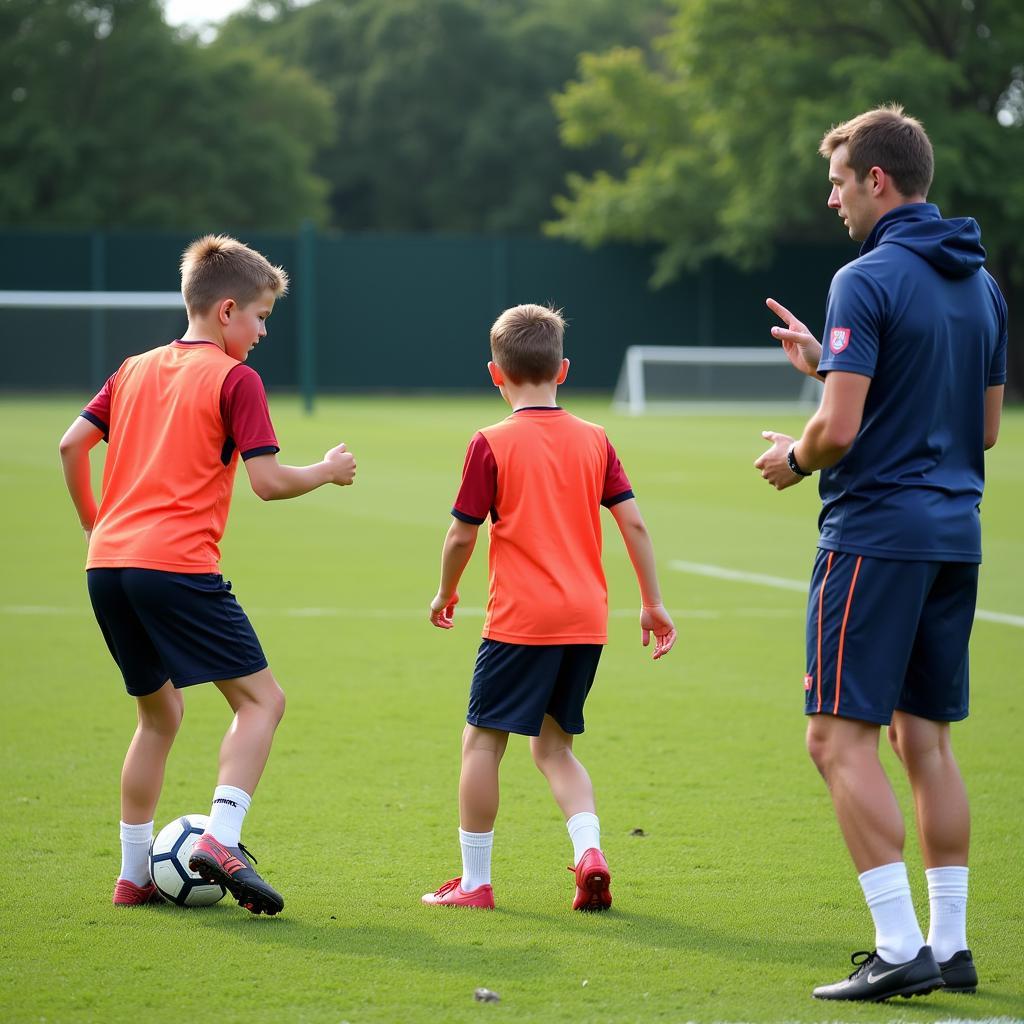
pixel 738 899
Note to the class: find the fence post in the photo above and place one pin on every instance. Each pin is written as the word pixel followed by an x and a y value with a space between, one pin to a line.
pixel 98 369
pixel 306 260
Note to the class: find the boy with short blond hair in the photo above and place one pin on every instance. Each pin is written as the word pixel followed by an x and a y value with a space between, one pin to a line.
pixel 541 475
pixel 176 419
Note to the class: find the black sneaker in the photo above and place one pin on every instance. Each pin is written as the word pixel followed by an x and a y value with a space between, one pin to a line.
pixel 229 866
pixel 958 972
pixel 875 980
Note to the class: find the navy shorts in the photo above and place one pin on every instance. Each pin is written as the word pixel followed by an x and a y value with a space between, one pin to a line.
pixel 516 685
pixel 186 627
pixel 885 635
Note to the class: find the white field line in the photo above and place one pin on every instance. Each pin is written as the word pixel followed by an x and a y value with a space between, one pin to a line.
pixel 719 572
pixel 328 612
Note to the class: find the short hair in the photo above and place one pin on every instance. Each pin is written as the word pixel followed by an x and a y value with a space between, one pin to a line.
pixel 218 267
pixel 526 342
pixel 886 137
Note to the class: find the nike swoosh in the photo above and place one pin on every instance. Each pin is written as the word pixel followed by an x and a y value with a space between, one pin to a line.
pixel 872 978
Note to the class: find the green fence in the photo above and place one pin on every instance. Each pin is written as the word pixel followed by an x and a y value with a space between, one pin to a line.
pixel 393 312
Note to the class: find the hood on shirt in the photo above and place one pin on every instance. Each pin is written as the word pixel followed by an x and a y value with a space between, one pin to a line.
pixel 953 247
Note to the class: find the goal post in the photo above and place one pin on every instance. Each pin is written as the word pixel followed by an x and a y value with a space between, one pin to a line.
pixel 666 378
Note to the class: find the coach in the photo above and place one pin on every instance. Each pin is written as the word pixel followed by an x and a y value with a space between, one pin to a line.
pixel 914 364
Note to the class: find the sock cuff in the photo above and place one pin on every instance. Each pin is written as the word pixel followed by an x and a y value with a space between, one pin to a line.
pixel 136 833
pixel 947 881
pixel 885 882
pixel 476 838
pixel 584 819
pixel 232 795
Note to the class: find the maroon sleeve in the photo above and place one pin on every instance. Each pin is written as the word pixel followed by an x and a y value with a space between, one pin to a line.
pixel 97 412
pixel 246 415
pixel 616 483
pixel 479 483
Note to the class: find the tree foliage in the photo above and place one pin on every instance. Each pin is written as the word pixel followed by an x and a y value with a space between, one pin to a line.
pixel 443 107
pixel 720 127
pixel 113 119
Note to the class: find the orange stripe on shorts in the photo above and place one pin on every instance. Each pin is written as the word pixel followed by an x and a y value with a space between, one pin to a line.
pixel 842 635
pixel 821 597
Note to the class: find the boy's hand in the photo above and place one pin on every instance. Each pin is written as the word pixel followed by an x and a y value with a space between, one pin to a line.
pixel 655 619
pixel 442 610
pixel 342 464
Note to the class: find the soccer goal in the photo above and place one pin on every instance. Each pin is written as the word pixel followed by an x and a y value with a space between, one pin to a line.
pixel 74 339
pixel 663 378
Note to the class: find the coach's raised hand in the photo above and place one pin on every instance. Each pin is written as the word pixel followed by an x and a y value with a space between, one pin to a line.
pixel 801 347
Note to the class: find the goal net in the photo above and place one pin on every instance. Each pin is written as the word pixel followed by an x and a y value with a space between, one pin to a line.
pixel 662 378
pixel 74 340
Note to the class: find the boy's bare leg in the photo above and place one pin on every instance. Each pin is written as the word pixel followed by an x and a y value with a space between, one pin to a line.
pixel 142 776
pixel 258 703
pixel 569 781
pixel 482 751
pixel 944 828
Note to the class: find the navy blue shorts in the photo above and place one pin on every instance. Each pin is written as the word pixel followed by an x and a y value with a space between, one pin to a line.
pixel 186 627
pixel 885 635
pixel 516 685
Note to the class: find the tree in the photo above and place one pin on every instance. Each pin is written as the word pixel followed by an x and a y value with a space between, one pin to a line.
pixel 116 120
pixel 721 128
pixel 443 107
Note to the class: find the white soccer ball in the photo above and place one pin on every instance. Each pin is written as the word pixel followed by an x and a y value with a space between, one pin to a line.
pixel 168 864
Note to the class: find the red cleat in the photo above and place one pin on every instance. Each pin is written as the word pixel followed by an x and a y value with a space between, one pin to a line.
pixel 229 866
pixel 451 894
pixel 128 894
pixel 592 882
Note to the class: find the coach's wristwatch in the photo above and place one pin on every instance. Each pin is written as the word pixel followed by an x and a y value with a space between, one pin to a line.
pixel 791 461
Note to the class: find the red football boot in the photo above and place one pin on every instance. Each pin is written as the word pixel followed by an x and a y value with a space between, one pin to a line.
pixel 229 866
pixel 451 894
pixel 592 882
pixel 128 894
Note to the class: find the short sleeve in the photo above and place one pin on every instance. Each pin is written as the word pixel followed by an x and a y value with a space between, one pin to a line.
pixel 853 324
pixel 997 367
pixel 479 485
pixel 616 484
pixel 97 412
pixel 246 414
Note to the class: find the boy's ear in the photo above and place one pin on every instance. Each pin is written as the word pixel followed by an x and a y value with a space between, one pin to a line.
pixel 497 377
pixel 224 310
pixel 563 372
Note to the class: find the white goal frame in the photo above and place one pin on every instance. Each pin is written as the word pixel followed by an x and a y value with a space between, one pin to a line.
pixel 631 394
pixel 91 300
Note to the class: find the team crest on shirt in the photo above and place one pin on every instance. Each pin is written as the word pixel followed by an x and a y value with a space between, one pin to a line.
pixel 838 339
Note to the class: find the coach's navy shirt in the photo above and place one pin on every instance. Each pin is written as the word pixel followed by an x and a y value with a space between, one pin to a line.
pixel 918 314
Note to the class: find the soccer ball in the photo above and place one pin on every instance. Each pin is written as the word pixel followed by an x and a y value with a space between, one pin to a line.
pixel 168 864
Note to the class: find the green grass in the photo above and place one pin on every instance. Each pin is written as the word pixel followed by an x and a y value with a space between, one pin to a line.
pixel 739 899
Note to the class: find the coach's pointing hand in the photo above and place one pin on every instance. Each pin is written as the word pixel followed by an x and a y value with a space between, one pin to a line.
pixel 343 465
pixel 801 347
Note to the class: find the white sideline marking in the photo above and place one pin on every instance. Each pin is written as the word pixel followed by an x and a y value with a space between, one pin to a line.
pixel 403 613
pixel 721 573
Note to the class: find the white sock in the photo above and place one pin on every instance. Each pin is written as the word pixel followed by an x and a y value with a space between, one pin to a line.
pixel 476 858
pixel 226 814
pixel 135 843
pixel 947 901
pixel 898 936
pixel 585 833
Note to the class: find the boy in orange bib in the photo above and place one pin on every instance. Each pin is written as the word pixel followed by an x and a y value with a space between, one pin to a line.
pixel 541 476
pixel 177 418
